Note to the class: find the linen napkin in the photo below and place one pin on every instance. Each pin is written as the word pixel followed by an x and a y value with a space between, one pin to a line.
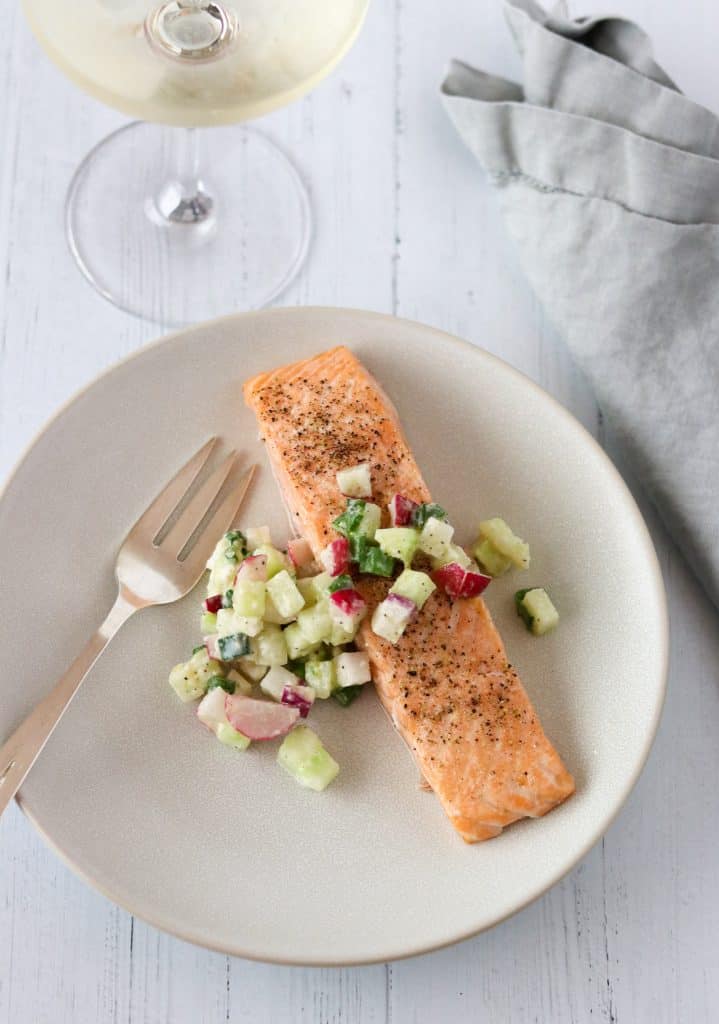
pixel 608 179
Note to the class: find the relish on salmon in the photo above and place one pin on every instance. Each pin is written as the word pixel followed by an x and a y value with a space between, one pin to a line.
pixel 446 683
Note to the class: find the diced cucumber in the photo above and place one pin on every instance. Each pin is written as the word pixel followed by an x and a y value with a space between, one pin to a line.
pixel 251 670
pixel 493 563
pixel 276 560
pixel 229 552
pixel 343 582
pixel 228 622
pixel 436 537
pixel 269 647
pixel 249 625
pixel 417 586
pixel 236 645
pixel 257 536
pixel 399 542
pixel 222 683
pixel 505 541
pixel 249 598
pixel 535 607
pixel 272 614
pixel 371 518
pixel 189 679
pixel 340 636
pixel 315 623
pixel 308 590
pixel 231 737
pixel 320 675
pixel 242 685
pixel 305 758
pixel 349 521
pixel 454 553
pixel 360 519
pixel 356 481
pixel 348 695
pixel 320 583
pixel 427 510
pixel 208 623
pixel 285 596
pixel 298 646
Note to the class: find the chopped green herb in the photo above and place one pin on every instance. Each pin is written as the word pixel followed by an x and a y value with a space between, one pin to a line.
pixel 296 666
pixel 234 646
pixel 225 684
pixel 347 694
pixel 236 546
pixel 199 647
pixel 343 582
pixel 227 599
pixel 427 510
pixel 375 561
pixel 347 523
pixel 359 546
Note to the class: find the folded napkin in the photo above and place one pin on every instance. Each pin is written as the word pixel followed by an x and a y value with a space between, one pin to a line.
pixel 609 183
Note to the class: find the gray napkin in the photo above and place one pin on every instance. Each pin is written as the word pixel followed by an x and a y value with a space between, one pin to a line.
pixel 608 179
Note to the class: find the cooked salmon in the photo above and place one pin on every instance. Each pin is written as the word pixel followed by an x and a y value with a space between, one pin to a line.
pixel 447 685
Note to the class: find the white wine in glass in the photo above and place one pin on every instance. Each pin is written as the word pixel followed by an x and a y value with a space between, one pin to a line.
pixel 166 221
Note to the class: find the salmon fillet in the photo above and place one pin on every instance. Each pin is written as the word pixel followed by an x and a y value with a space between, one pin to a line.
pixel 447 685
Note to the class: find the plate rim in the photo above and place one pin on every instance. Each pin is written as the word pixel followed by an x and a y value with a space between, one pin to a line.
pixel 659 589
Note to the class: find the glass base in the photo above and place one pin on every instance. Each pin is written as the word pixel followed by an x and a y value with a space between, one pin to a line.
pixel 176 254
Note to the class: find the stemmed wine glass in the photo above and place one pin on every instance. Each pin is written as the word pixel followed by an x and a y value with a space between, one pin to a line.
pixel 168 221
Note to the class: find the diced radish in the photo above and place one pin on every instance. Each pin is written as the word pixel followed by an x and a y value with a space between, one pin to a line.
pixel 211 709
pixel 457 581
pixel 392 616
pixel 400 510
pixel 212 604
pixel 335 558
pixel 213 651
pixel 259 719
pixel 299 551
pixel 254 569
pixel 352 668
pixel 356 481
pixel 298 696
pixel 276 680
pixel 347 609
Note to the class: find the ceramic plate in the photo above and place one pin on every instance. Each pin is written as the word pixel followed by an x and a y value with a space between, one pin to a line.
pixel 224 849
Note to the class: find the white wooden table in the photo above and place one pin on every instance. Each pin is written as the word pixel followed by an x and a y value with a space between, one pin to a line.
pixel 405 223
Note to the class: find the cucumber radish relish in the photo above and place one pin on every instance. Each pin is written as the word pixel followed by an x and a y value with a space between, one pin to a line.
pixel 279 628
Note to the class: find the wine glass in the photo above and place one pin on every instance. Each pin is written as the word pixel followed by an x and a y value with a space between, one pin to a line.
pixel 167 221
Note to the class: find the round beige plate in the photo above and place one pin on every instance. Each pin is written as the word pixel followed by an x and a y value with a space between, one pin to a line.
pixel 223 848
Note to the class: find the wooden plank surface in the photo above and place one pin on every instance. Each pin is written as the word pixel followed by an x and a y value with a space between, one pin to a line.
pixel 404 223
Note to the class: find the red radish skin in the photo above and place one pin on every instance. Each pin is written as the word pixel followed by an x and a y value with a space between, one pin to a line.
pixel 253 568
pixel 259 719
pixel 347 608
pixel 299 551
pixel 335 558
pixel 400 510
pixel 458 582
pixel 213 651
pixel 213 604
pixel 300 697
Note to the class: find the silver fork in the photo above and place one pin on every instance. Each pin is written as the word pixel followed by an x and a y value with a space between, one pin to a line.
pixel 161 560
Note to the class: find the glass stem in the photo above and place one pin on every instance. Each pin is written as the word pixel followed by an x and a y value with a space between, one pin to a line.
pixel 184 200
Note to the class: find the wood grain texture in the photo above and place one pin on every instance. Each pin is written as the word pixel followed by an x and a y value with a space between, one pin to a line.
pixel 404 223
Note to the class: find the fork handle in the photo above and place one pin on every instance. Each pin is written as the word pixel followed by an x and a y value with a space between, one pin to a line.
pixel 19 752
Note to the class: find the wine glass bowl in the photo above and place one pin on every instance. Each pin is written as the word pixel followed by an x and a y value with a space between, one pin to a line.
pixel 176 225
